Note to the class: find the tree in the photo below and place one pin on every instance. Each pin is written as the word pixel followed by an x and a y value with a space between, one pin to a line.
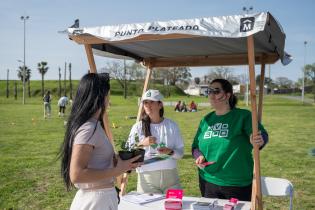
pixel 7 91
pixel 123 72
pixel 42 68
pixel 310 75
pixel 24 70
pixel 70 80
pixel 268 81
pixel 283 82
pixel 27 77
pixel 197 80
pixel 222 72
pixel 15 90
pixel 65 80
pixel 179 75
pixel 134 71
pixel 116 70
pixel 29 85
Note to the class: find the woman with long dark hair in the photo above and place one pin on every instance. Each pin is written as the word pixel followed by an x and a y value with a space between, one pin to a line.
pixel 222 146
pixel 87 154
pixel 159 136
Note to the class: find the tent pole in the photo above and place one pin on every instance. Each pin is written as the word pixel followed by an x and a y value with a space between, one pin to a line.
pixel 145 87
pixel 256 199
pixel 260 105
pixel 261 89
pixel 124 180
pixel 89 53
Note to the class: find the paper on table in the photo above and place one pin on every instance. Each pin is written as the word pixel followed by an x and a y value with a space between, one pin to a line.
pixel 142 198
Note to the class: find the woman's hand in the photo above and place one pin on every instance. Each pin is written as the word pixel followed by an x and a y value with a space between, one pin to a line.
pixel 147 141
pixel 257 140
pixel 127 165
pixel 201 159
pixel 165 150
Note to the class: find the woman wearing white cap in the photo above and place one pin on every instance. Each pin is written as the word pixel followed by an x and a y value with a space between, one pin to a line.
pixel 158 136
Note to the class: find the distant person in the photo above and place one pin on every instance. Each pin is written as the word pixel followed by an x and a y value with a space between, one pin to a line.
pixel 192 106
pixel 88 159
pixel 62 102
pixel 47 107
pixel 177 106
pixel 224 140
pixel 183 107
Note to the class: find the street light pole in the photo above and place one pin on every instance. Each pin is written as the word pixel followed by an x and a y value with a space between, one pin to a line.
pixel 303 79
pixel 24 18
pixel 247 10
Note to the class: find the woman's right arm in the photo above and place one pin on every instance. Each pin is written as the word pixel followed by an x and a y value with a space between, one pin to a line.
pixel 196 153
pixel 80 173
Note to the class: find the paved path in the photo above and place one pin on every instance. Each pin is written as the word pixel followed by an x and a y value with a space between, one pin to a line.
pixel 298 98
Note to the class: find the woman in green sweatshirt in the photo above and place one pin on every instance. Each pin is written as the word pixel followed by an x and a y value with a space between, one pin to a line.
pixel 223 145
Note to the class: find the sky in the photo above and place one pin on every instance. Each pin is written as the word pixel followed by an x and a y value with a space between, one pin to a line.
pixel 47 17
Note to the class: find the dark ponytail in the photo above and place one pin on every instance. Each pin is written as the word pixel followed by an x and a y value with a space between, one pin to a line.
pixel 233 101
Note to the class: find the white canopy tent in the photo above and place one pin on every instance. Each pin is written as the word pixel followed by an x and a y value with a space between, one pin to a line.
pixel 215 41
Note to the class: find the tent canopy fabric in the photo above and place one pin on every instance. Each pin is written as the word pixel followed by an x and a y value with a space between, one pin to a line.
pixel 209 41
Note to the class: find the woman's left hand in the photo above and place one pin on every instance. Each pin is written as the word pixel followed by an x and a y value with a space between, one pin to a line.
pixel 257 140
pixel 164 150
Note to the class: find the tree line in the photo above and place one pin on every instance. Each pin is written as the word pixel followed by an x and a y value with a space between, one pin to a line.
pixel 24 73
pixel 126 71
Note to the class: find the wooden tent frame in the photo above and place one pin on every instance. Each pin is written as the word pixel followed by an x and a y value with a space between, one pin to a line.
pixel 249 59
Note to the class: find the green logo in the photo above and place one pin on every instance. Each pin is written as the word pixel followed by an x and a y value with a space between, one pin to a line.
pixel 148 94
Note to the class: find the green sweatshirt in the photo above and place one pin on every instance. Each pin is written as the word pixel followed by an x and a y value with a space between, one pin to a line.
pixel 225 139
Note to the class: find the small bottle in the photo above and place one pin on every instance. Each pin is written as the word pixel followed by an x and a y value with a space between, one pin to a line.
pixel 231 205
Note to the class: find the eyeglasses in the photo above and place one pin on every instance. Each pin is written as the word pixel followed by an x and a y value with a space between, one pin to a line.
pixel 214 91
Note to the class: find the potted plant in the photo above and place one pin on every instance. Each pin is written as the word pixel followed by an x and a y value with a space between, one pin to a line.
pixel 130 150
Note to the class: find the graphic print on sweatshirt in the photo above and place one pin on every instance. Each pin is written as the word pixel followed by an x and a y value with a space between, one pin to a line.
pixel 217 130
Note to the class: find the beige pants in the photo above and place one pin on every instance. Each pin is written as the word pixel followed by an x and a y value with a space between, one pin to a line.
pixel 101 199
pixel 158 181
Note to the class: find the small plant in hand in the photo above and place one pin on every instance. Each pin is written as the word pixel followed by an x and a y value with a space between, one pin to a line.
pixel 131 149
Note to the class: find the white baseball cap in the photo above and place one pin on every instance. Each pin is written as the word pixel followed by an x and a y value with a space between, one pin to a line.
pixel 152 95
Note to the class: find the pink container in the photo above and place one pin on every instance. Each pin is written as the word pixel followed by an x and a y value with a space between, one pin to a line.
pixel 173 199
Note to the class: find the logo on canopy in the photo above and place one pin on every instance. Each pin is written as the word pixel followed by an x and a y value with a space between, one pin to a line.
pixel 247 24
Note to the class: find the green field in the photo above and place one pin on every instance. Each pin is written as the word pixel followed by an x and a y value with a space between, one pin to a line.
pixel 29 170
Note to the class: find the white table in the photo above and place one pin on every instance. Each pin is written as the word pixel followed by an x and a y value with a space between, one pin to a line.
pixel 187 201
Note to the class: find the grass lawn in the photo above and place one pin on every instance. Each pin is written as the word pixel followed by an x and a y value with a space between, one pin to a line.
pixel 29 170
